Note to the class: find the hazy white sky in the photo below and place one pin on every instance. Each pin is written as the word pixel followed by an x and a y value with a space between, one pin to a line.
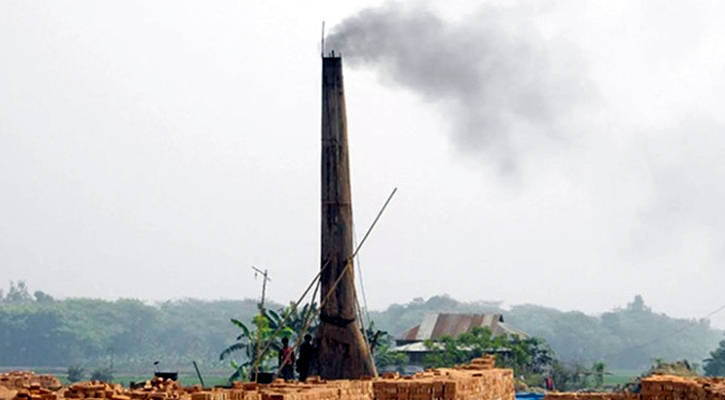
pixel 157 150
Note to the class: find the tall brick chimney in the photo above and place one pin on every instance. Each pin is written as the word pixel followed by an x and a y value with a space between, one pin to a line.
pixel 342 351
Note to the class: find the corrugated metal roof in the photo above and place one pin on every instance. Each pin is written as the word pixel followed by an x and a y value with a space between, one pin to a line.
pixel 426 328
pixel 419 347
pixel 435 326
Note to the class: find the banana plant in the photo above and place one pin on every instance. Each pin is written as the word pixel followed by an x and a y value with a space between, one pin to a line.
pixel 270 326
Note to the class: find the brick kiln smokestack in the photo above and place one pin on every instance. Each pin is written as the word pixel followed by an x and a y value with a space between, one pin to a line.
pixel 342 352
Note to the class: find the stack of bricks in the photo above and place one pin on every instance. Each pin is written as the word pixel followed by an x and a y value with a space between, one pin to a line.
pixel 160 389
pixel 210 395
pixel 592 396
pixel 667 387
pixel 47 382
pixel 245 391
pixel 419 388
pixel 314 389
pixel 478 381
pixel 279 390
pixel 487 361
pixel 6 394
pixel 95 390
pixel 497 384
pixel 449 384
pixel 25 379
pixel 24 385
pixel 353 389
pixel 35 392
pixel 659 387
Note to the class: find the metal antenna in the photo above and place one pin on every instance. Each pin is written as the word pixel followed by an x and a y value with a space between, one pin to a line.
pixel 322 45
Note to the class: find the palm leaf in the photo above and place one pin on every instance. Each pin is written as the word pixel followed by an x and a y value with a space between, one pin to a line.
pixel 242 326
pixel 231 349
pixel 238 369
pixel 274 319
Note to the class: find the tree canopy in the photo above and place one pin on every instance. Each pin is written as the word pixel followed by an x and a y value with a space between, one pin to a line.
pixel 38 330
pixel 624 338
pixel 715 364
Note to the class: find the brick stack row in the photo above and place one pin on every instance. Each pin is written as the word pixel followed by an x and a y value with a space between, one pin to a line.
pixel 160 389
pixel 659 387
pixel 497 384
pixel 449 384
pixel 485 362
pixel 316 389
pixel 301 392
pixel 246 391
pixel 479 381
pixel 212 395
pixel 25 379
pixel 95 390
pixel 35 392
pixel 353 389
pixel 592 396
pixel 667 387
pixel 6 394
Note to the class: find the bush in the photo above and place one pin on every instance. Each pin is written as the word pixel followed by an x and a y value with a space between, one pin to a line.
pixel 75 373
pixel 715 365
pixel 102 374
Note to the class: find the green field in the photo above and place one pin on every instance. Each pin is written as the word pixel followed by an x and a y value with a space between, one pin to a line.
pixel 620 377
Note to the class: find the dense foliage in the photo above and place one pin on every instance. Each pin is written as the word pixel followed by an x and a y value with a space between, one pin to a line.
pixel 37 330
pixel 715 364
pixel 661 367
pixel 259 342
pixel 626 338
pixel 526 356
pixel 382 344
pixel 531 359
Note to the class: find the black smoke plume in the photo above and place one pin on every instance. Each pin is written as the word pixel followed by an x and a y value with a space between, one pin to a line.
pixel 503 85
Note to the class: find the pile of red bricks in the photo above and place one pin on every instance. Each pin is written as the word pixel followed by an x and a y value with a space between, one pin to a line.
pixel 211 395
pixel 315 390
pixel 25 385
pixel 485 362
pixel 6 394
pixel 160 389
pixel 591 396
pixel 659 387
pixel 94 390
pixel 26 379
pixel 665 387
pixel 477 381
pixel 481 382
pixel 35 392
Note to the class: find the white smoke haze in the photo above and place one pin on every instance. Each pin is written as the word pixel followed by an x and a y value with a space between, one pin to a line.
pixel 502 84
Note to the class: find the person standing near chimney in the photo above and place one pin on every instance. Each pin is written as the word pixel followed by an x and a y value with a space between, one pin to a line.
pixel 286 359
pixel 305 358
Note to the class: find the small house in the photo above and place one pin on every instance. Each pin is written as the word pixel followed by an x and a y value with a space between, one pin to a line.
pixel 435 326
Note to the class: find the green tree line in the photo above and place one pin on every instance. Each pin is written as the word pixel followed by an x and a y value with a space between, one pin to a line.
pixel 37 330
pixel 631 337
